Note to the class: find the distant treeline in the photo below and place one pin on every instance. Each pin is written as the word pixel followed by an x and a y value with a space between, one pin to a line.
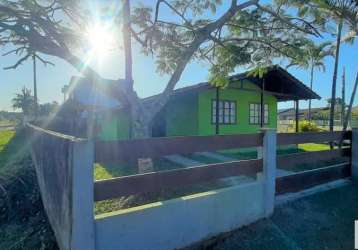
pixel 10 116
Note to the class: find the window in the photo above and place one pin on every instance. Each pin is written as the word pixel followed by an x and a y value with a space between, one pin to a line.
pixel 255 113
pixel 227 112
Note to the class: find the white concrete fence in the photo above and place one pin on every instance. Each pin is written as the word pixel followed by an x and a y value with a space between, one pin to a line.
pixel 163 225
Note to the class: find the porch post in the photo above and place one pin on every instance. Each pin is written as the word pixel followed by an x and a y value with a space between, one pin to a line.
pixel 269 169
pixel 354 159
pixel 217 129
pixel 262 116
pixel 297 108
pixel 262 120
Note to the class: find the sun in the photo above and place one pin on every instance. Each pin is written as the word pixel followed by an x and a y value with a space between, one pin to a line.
pixel 101 39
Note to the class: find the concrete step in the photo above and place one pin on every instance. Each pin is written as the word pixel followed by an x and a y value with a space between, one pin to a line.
pixel 216 156
pixel 183 161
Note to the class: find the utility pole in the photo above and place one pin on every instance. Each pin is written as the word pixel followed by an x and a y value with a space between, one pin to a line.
pixel 35 83
pixel 343 95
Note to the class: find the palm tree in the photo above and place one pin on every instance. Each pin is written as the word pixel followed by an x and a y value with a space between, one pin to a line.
pixel 35 83
pixel 313 58
pixel 322 13
pixel 343 12
pixel 24 101
pixel 343 106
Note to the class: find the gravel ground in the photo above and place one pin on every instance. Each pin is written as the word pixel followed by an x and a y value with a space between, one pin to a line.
pixel 321 221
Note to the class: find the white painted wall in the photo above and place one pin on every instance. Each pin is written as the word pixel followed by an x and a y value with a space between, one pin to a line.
pixel 179 222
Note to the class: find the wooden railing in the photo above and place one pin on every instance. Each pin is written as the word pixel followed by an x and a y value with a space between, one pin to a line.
pixel 311 137
pixel 310 178
pixel 108 151
pixel 158 147
pixel 155 182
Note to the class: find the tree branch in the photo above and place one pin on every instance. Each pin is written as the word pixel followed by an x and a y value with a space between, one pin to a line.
pixel 314 31
pixel 202 34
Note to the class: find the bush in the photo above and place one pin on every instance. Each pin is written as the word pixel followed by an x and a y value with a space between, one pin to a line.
pixel 307 126
pixel 23 221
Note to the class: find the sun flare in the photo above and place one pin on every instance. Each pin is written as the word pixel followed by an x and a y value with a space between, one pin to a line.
pixel 101 39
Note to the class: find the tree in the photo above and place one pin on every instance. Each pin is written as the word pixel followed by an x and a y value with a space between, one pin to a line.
pixel 35 83
pixel 337 108
pixel 349 110
pixel 343 106
pixel 250 37
pixel 24 101
pixel 251 33
pixel 313 57
pixel 344 13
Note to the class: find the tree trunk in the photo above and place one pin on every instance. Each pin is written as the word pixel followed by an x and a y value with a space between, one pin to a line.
pixel 311 86
pixel 141 126
pixel 35 86
pixel 127 44
pixel 334 81
pixel 343 96
pixel 349 111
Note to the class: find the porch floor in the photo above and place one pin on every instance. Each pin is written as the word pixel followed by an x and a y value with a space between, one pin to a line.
pixel 321 221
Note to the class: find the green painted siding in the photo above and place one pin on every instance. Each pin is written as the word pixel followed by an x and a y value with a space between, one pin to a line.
pixel 113 126
pixel 243 98
pixel 182 115
pixel 190 114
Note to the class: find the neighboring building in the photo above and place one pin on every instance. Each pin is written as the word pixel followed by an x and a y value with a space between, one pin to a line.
pixel 290 113
pixel 193 110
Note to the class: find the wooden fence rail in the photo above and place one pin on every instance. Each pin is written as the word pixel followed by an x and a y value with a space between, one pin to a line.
pixel 107 151
pixel 291 160
pixel 158 147
pixel 155 182
pixel 311 137
pixel 306 179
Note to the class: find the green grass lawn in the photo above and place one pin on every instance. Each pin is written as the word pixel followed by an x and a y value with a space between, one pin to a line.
pixel 110 170
pixel 12 146
pixel 5 137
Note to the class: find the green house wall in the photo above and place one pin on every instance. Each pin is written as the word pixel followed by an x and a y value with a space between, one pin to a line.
pixel 113 126
pixel 243 99
pixel 181 114
pixel 190 114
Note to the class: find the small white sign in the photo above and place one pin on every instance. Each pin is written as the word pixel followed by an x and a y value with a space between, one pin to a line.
pixel 356 234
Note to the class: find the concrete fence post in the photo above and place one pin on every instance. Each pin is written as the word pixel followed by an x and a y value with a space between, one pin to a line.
pixel 269 169
pixel 82 195
pixel 354 159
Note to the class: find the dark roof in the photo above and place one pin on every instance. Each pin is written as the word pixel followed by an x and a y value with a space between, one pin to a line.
pixel 278 82
pixel 100 95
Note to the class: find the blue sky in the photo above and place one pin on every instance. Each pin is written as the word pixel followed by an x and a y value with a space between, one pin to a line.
pixel 147 80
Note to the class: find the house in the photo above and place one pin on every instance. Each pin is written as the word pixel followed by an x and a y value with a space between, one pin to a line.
pixel 289 114
pixel 201 109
